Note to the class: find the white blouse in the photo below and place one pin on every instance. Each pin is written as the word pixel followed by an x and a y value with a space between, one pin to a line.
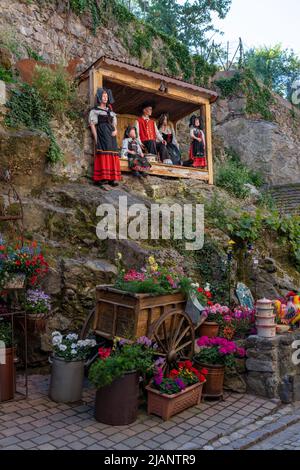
pixel 94 113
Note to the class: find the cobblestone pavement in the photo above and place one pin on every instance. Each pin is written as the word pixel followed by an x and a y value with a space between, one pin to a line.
pixel 39 423
pixel 288 439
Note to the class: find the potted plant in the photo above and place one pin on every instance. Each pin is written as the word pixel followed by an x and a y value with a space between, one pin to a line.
pixel 115 375
pixel 215 354
pixel 67 372
pixel 37 306
pixel 21 264
pixel 176 392
pixel 7 368
pixel 238 323
pixel 214 318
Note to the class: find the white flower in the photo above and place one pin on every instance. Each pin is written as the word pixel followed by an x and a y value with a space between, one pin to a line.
pixel 72 337
pixel 74 352
pixel 73 346
pixel 196 285
pixel 56 333
pixel 62 347
pixel 207 287
pixel 56 340
pixel 86 343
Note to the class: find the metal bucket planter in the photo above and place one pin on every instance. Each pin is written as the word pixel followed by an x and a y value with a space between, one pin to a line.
pixel 7 374
pixel 66 381
pixel 117 404
pixel 209 329
pixel 213 388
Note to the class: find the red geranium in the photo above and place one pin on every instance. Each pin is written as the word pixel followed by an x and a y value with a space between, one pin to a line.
pixel 104 353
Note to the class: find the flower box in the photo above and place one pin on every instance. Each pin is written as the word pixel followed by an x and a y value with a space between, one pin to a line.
pixel 125 314
pixel 166 406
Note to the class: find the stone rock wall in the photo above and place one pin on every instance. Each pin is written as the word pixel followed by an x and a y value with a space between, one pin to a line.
pixel 270 148
pixel 271 368
pixel 56 34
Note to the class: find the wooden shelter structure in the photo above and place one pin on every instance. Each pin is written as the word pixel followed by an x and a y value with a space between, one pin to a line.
pixel 132 85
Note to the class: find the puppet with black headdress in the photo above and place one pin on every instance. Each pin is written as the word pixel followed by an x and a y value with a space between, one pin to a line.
pixel 132 150
pixel 148 134
pixel 103 123
pixel 198 147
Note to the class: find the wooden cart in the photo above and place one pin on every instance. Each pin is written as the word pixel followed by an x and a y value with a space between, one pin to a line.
pixel 128 315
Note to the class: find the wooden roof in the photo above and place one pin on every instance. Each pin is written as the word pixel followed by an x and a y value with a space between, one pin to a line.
pixel 128 96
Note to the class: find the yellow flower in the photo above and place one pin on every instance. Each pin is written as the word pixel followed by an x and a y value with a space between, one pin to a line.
pixel 231 242
pixel 151 260
pixel 119 255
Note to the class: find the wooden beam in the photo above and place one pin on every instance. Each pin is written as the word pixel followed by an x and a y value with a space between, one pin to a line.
pixel 209 143
pixel 152 86
pixel 171 171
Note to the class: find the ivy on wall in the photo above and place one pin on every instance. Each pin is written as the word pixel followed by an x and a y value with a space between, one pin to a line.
pixel 259 97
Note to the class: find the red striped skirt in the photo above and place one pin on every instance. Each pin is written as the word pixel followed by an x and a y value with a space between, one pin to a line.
pixel 107 166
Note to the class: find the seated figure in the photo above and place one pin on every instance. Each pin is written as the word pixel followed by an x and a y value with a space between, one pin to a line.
pixel 131 149
pixel 167 131
pixel 148 134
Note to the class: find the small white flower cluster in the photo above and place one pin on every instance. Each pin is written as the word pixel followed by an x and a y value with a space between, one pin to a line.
pixel 70 345
pixel 195 285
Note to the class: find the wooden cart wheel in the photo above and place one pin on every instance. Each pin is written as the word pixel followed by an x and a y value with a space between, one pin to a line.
pixel 174 334
pixel 87 326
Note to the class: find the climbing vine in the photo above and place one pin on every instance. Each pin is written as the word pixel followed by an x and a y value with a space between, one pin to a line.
pixel 27 108
pixel 259 97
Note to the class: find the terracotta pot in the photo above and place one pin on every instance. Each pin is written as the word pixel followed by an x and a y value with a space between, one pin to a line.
pixel 117 404
pixel 213 387
pixel 209 329
pixel 7 374
pixel 166 406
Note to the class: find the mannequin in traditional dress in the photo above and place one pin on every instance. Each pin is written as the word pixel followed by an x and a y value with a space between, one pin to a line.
pixel 103 124
pixel 132 150
pixel 148 135
pixel 198 146
pixel 167 131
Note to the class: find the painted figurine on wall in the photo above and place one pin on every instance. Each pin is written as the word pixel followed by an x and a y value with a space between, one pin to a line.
pixel 167 131
pixel 103 124
pixel 148 134
pixel 132 150
pixel 198 146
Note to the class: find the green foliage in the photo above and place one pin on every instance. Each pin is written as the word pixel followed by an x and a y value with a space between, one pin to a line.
pixel 203 70
pixel 33 54
pixel 141 41
pixel 5 333
pixel 131 357
pixel 6 75
pixel 276 67
pixel 188 22
pixel 148 286
pixel 259 97
pixel 27 108
pixel 233 176
pixel 230 86
pixel 55 89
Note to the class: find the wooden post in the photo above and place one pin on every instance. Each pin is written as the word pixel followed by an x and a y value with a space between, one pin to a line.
pixel 95 82
pixel 209 143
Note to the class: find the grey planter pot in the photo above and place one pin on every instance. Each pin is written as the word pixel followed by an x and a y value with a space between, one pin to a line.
pixel 66 381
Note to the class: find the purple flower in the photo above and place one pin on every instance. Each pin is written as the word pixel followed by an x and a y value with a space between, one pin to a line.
pixel 180 383
pixel 144 341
